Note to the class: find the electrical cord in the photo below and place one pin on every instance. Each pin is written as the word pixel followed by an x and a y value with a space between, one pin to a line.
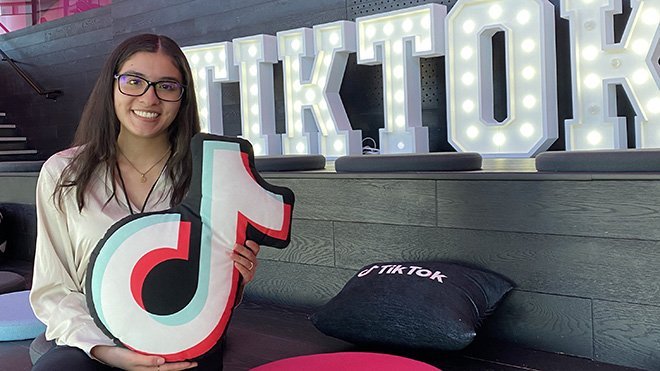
pixel 369 150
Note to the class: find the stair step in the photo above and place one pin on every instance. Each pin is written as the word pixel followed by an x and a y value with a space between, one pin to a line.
pixel 14 146
pixel 13 143
pixel 13 139
pixel 7 130
pixel 14 152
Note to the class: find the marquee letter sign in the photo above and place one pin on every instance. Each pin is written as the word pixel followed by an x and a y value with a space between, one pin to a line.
pixel 397 40
pixel 164 283
pixel 531 126
pixel 255 56
pixel 598 64
pixel 314 64
pixel 211 65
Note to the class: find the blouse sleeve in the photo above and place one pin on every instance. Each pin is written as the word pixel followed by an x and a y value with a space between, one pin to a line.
pixel 57 295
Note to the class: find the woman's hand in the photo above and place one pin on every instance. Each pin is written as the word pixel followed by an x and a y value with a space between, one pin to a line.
pixel 127 359
pixel 245 259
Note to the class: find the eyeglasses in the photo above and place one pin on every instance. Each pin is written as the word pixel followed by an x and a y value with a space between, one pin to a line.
pixel 135 86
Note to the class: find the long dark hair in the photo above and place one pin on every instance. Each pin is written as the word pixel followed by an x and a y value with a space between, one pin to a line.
pixel 97 132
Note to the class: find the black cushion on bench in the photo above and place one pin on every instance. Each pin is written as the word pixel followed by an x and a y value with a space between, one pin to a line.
pixel 413 305
pixel 20 223
pixel 437 161
pixel 616 160
pixel 289 163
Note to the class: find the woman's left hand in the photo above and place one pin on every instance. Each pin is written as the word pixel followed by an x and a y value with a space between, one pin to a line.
pixel 245 259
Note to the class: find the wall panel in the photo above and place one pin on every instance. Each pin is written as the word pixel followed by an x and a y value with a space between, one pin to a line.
pixel 555 323
pixel 298 285
pixel 609 209
pixel 601 268
pixel 379 201
pixel 311 243
pixel 627 334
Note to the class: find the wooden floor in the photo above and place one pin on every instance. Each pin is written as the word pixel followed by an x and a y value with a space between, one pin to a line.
pixel 260 334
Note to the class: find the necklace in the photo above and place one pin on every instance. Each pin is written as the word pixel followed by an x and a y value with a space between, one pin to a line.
pixel 128 201
pixel 143 175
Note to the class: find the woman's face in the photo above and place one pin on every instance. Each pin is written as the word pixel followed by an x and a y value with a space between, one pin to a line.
pixel 146 116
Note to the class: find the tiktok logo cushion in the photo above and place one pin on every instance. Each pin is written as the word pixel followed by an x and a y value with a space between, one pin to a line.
pixel 164 283
pixel 429 305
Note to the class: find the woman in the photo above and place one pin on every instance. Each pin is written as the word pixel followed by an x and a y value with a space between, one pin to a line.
pixel 131 154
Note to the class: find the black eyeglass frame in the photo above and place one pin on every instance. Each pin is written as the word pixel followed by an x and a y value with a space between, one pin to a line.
pixel 150 84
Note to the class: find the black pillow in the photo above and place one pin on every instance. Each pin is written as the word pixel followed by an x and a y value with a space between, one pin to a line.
pixel 3 238
pixel 420 305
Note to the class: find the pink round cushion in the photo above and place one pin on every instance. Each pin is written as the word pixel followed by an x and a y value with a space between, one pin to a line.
pixel 347 361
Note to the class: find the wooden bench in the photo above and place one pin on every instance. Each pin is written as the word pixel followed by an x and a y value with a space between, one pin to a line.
pixel 578 246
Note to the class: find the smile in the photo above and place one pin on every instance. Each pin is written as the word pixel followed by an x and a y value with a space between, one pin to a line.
pixel 146 114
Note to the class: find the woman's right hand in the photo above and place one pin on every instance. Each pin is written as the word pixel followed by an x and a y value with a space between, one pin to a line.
pixel 127 359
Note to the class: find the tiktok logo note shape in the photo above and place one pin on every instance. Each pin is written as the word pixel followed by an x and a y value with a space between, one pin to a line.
pixel 164 283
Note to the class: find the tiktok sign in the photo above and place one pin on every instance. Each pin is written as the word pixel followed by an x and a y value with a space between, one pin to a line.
pixel 314 60
pixel 164 283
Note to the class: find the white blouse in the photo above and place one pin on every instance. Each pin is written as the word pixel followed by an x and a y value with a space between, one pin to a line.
pixel 65 240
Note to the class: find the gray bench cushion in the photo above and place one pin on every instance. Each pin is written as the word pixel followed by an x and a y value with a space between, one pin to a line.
pixel 289 163
pixel 616 160
pixel 19 222
pixel 10 282
pixel 445 161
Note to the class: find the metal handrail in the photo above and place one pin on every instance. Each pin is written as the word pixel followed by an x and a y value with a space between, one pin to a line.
pixel 49 94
